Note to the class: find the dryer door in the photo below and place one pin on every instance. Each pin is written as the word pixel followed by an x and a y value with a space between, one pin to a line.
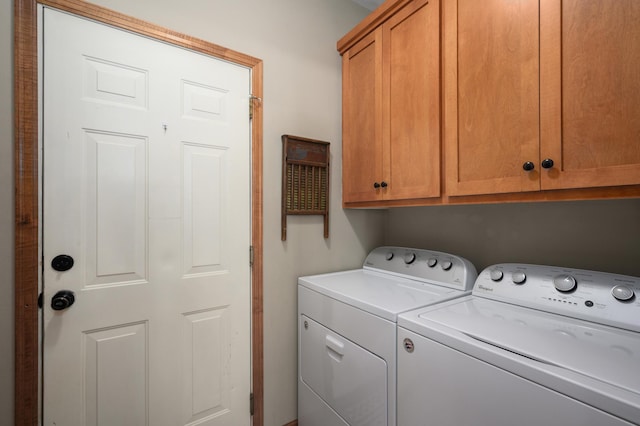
pixel 350 379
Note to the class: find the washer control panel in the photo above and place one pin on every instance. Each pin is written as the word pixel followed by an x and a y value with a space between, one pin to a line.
pixel 423 265
pixel 600 297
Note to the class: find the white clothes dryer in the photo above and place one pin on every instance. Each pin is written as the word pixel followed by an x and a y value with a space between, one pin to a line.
pixel 347 331
pixel 532 345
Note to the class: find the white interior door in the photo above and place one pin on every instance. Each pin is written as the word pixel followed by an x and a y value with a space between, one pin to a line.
pixel 146 185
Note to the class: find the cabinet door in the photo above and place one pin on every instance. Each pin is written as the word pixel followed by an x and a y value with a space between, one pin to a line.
pixel 590 90
pixel 491 90
pixel 411 101
pixel 362 120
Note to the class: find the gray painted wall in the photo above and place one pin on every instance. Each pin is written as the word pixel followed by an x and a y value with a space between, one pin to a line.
pixel 6 214
pixel 597 235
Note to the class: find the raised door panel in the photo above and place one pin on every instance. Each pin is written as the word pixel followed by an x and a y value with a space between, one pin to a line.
pixel 590 57
pixel 362 120
pixel 411 101
pixel 491 89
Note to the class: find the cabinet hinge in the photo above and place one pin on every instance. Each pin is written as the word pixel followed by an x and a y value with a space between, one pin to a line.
pixel 250 255
pixel 251 408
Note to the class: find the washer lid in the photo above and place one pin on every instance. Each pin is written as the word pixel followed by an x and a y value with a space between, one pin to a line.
pixel 604 353
pixel 381 294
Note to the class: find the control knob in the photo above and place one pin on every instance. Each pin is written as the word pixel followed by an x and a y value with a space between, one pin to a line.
pixel 432 262
pixel 446 265
pixel 389 255
pixel 565 283
pixel 518 277
pixel 496 275
pixel 622 293
pixel 409 258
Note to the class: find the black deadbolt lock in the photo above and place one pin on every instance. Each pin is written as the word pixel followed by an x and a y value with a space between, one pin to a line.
pixel 62 262
pixel 62 300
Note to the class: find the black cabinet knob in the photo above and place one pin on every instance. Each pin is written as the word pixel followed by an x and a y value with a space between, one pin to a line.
pixel 547 163
pixel 528 166
pixel 383 184
pixel 376 185
pixel 62 300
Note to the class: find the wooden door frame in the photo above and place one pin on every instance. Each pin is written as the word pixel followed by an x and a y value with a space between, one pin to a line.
pixel 27 201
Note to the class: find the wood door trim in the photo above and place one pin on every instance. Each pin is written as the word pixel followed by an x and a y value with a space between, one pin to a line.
pixel 27 207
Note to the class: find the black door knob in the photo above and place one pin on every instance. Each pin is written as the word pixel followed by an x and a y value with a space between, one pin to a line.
pixel 383 184
pixel 376 185
pixel 528 166
pixel 62 262
pixel 547 163
pixel 62 300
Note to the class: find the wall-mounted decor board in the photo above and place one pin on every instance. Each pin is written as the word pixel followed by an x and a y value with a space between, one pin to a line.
pixel 305 179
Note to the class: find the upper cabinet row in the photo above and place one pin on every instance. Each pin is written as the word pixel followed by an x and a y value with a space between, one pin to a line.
pixel 450 100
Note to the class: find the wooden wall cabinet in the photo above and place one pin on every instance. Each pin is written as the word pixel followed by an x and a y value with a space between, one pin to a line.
pixel 391 104
pixel 546 85
pixel 540 101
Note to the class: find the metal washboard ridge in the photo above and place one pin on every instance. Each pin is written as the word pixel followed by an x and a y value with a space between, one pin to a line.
pixel 305 179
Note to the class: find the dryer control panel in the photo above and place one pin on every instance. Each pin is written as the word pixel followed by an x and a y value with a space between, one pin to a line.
pixel 423 265
pixel 601 297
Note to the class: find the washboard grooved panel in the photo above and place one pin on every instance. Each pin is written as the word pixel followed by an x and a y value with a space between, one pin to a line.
pixel 305 179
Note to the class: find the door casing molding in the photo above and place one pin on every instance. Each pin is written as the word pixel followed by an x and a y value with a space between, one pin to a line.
pixel 27 202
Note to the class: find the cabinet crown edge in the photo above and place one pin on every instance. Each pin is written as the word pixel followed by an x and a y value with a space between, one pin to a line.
pixel 369 23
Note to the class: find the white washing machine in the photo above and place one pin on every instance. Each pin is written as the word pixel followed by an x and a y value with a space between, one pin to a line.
pixel 347 331
pixel 531 346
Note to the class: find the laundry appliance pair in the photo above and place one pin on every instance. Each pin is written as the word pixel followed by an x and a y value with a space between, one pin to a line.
pixel 415 337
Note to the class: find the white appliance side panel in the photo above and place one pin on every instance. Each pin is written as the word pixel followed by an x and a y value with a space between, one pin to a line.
pixel 313 411
pixel 448 388
pixel 352 380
